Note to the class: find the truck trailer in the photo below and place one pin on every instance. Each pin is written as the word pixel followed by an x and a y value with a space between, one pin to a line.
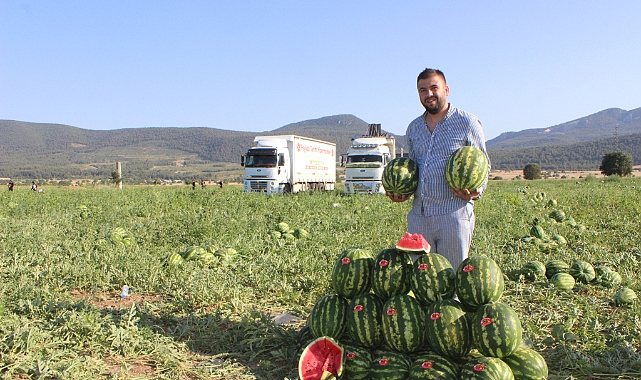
pixel 289 164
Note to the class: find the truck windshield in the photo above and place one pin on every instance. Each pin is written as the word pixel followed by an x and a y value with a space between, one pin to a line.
pixel 363 158
pixel 259 158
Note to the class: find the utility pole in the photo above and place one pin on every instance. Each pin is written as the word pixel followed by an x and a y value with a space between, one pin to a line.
pixel 119 171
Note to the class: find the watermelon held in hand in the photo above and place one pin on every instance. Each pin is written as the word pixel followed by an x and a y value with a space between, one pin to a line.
pixel 322 359
pixel 400 176
pixel 467 168
pixel 413 243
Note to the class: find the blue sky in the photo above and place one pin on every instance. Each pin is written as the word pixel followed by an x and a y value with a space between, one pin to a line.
pixel 259 65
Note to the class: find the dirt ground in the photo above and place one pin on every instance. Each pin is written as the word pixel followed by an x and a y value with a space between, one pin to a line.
pixel 570 174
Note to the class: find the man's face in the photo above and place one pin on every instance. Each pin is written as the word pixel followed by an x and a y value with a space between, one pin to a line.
pixel 433 93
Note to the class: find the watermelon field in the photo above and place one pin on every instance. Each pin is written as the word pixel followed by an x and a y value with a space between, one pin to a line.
pixel 65 255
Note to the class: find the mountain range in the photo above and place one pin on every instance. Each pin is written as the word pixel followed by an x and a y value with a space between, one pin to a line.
pixel 40 150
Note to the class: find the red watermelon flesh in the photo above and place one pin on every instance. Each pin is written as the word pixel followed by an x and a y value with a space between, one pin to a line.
pixel 322 359
pixel 413 243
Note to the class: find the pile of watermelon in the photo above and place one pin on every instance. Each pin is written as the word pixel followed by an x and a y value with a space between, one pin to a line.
pixel 395 318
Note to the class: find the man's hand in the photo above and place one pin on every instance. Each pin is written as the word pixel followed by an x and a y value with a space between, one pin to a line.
pixel 466 194
pixel 395 197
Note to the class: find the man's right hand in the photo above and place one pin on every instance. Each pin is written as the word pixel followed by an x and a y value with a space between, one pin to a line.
pixel 395 197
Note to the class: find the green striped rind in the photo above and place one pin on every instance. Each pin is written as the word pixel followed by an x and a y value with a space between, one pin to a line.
pixel 479 280
pixel 448 329
pixel 606 276
pixel 322 354
pixel 563 281
pixel 553 267
pixel 485 368
pixel 527 364
pixel 193 252
pixel 625 296
pixel 538 232
pixel 533 270
pixel 174 259
pixel 390 365
pixel 391 274
pixel 432 278
pixel 400 176
pixel 403 324
pixel 557 215
pixel 433 367
pixel 364 323
pixel 496 330
pixel 357 362
pixel 467 168
pixel 582 271
pixel 352 273
pixel 328 316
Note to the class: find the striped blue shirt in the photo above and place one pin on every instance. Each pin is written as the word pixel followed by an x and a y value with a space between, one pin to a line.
pixel 431 150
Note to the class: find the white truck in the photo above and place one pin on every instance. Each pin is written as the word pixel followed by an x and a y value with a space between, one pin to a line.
pixel 289 164
pixel 366 159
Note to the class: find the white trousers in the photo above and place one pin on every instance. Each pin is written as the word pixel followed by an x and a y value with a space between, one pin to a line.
pixel 449 234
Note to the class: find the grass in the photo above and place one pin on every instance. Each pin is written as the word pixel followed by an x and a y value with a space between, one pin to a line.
pixel 61 271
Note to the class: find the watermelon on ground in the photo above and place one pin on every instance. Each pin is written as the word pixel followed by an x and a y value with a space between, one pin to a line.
pixel 328 316
pixel 527 364
pixel 486 368
pixel 496 330
pixel 389 365
pixel 352 273
pixel 433 367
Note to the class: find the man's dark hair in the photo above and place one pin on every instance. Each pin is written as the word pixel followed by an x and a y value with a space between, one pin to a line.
pixel 430 72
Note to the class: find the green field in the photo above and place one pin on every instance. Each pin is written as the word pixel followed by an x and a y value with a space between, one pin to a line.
pixel 62 268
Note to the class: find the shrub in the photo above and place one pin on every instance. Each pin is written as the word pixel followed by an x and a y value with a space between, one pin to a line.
pixel 619 163
pixel 532 171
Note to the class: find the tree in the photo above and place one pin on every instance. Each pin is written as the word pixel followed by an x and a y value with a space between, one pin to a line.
pixel 532 171
pixel 619 163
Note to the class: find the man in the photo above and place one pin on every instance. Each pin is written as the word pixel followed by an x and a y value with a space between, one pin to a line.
pixel 11 184
pixel 444 216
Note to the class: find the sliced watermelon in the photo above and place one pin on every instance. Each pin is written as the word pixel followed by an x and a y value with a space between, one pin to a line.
pixel 322 359
pixel 413 243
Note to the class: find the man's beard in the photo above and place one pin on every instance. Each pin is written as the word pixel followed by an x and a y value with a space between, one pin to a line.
pixel 436 107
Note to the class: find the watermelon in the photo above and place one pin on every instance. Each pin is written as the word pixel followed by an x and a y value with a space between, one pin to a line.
pixel 563 281
pixel 479 280
pixel 400 176
pixel 527 364
pixel 538 232
pixel 300 233
pixel 533 270
pixel 390 365
pixel 364 323
pixel 391 273
pixel 610 278
pixel 403 323
pixel 328 316
pixel 486 368
pixel 558 215
pixel 358 361
pixel 552 203
pixel 283 228
pixel 625 296
pixel 413 243
pixel 448 329
pixel 193 253
pixel 496 330
pixel 432 278
pixel 553 267
pixel 582 272
pixel 352 273
pixel 174 259
pixel 467 168
pixel 433 367
pixel 559 239
pixel 320 360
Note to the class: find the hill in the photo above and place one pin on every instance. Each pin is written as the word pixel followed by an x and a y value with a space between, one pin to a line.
pixel 601 125
pixel 38 150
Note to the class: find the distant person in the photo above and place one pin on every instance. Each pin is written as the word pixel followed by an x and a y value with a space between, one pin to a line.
pixel 443 216
pixel 11 184
pixel 202 183
pixel 34 187
pixel 220 183
pixel 193 184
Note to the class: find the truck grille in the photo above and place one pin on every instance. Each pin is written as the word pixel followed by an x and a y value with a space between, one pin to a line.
pixel 258 185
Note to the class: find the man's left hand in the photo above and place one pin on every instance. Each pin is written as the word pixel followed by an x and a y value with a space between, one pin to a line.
pixel 466 194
